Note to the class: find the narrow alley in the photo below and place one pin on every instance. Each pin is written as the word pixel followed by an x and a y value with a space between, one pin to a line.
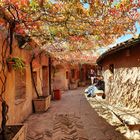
pixel 56 55
pixel 71 118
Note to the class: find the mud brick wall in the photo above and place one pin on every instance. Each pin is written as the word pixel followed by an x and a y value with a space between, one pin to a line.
pixel 124 88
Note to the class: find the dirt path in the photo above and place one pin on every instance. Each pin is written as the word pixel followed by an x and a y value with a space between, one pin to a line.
pixel 71 118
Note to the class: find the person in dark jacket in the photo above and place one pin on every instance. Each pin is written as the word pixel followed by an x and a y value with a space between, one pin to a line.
pixel 100 85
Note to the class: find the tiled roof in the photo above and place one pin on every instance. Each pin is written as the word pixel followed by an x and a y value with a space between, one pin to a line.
pixel 129 43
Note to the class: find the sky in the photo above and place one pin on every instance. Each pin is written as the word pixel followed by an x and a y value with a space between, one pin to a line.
pixel 120 39
pixel 123 38
pixel 126 37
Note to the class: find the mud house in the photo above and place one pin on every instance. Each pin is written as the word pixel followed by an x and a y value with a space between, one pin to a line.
pixel 19 89
pixel 41 74
pixel 82 74
pixel 74 76
pixel 64 75
pixel 69 76
pixel 59 75
pixel 121 69
pixel 85 73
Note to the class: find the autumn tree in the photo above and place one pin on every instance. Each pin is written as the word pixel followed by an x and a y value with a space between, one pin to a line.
pixel 67 29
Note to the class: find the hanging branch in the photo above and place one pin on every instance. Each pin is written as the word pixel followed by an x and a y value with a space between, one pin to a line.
pixel 4 116
pixel 32 76
pixel 12 24
pixel 31 69
pixel 3 79
pixel 3 73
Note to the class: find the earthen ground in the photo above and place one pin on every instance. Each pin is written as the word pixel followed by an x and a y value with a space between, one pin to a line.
pixel 71 118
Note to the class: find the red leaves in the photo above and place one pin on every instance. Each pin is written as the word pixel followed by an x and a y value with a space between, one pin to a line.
pixel 17 3
pixel 2 22
pixel 20 30
pixel 24 2
pixel 76 38
pixel 113 11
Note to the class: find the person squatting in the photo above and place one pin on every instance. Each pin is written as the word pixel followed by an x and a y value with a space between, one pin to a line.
pixel 97 87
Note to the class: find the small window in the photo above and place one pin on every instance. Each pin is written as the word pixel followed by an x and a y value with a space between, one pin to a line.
pixel 78 74
pixel 35 77
pixel 45 80
pixel 81 74
pixel 67 75
pixel 20 84
pixel 111 68
pixel 73 73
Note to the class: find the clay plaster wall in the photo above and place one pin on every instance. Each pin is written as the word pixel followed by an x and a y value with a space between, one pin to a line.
pixel 19 109
pixel 76 77
pixel 76 68
pixel 62 77
pixel 60 80
pixel 123 89
pixel 38 65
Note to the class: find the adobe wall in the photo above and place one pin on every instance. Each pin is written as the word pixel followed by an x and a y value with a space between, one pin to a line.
pixel 19 109
pixel 38 64
pixel 62 77
pixel 77 71
pixel 124 88
pixel 45 63
pixel 74 80
pixel 60 80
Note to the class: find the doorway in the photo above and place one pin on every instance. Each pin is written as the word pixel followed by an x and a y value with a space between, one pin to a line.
pixel 45 81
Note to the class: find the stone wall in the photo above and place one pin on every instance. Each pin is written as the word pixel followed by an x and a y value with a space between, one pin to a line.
pixel 123 89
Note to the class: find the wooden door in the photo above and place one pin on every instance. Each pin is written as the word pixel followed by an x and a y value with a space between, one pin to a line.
pixel 45 80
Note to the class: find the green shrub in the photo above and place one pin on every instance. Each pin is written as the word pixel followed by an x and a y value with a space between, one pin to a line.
pixel 18 63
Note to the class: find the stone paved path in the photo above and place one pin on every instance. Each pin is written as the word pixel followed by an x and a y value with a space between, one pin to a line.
pixel 68 127
pixel 71 118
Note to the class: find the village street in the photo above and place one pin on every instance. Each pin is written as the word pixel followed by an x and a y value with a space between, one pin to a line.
pixel 51 51
pixel 71 118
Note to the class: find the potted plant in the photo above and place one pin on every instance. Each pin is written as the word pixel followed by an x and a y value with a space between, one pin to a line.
pixel 11 132
pixel 41 103
pixel 10 64
pixel 15 62
pixel 14 132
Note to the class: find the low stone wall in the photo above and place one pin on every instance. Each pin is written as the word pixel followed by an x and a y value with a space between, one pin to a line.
pixel 123 89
